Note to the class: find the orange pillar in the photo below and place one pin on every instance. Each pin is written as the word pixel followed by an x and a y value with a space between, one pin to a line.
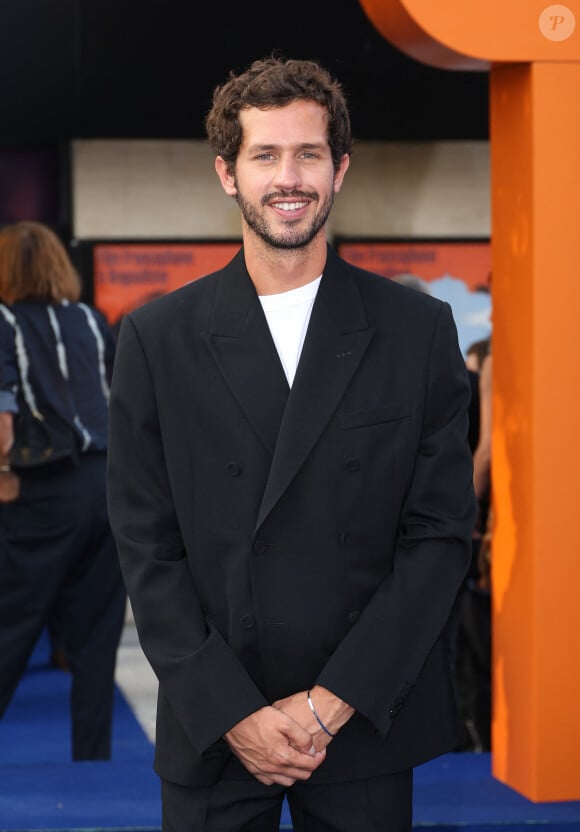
pixel 535 119
pixel 533 52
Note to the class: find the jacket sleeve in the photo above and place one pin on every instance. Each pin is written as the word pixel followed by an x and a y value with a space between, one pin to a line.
pixel 9 375
pixel 378 662
pixel 206 685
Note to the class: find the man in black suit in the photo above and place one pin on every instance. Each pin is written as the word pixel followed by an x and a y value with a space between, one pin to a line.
pixel 290 487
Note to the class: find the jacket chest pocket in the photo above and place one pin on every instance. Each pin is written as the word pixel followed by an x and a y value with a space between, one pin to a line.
pixel 375 416
pixel 372 440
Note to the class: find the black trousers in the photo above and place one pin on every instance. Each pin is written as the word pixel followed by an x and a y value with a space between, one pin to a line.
pixel 379 804
pixel 57 552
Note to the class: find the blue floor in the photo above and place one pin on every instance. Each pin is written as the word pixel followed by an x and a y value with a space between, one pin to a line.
pixel 40 789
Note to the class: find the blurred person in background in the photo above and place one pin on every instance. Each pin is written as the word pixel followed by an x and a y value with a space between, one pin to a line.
pixel 476 354
pixel 469 629
pixel 477 602
pixel 57 553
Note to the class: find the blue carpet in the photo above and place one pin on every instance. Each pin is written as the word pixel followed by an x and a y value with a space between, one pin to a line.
pixel 42 791
pixel 457 790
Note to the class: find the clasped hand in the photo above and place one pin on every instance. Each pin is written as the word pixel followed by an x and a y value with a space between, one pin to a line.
pixel 283 742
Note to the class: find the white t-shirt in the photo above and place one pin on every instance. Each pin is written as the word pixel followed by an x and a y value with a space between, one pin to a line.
pixel 288 315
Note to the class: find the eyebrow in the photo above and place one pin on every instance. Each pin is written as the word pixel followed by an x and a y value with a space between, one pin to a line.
pixel 271 146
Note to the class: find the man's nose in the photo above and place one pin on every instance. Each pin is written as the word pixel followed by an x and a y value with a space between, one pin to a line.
pixel 287 174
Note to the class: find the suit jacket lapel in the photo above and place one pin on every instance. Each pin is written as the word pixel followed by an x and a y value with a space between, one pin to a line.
pixel 240 342
pixel 337 338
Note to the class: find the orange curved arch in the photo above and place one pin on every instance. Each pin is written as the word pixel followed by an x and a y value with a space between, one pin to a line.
pixel 445 35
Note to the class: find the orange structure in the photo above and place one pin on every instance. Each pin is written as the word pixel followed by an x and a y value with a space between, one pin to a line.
pixel 532 51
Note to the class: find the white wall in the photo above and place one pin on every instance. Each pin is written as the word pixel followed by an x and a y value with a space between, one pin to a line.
pixel 168 189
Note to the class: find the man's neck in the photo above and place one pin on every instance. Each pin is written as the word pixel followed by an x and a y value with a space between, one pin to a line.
pixel 277 270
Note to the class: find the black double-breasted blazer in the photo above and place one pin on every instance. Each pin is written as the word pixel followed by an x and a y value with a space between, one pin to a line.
pixel 272 539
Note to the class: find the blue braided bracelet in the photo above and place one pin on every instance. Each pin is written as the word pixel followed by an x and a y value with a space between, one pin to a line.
pixel 317 718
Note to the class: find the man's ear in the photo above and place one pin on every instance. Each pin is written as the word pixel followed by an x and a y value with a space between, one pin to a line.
pixel 227 179
pixel 339 174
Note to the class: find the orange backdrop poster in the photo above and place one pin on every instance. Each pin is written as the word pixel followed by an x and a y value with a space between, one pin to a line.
pixel 468 261
pixel 127 275
pixel 456 272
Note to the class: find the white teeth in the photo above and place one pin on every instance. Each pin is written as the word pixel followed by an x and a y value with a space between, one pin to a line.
pixel 290 206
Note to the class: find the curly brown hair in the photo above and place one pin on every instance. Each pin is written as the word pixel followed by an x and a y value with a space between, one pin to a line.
pixel 34 265
pixel 276 82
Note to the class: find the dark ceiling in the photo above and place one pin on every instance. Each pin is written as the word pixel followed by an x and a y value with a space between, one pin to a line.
pixel 146 68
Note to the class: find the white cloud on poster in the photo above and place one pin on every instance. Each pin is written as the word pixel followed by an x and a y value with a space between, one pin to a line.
pixel 471 310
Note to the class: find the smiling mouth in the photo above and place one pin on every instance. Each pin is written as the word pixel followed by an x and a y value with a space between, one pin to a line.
pixel 290 206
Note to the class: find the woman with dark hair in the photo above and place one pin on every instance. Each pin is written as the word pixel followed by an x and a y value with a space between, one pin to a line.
pixel 56 547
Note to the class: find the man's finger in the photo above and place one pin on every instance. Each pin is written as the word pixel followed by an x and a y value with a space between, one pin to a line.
pixel 311 751
pixel 279 779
